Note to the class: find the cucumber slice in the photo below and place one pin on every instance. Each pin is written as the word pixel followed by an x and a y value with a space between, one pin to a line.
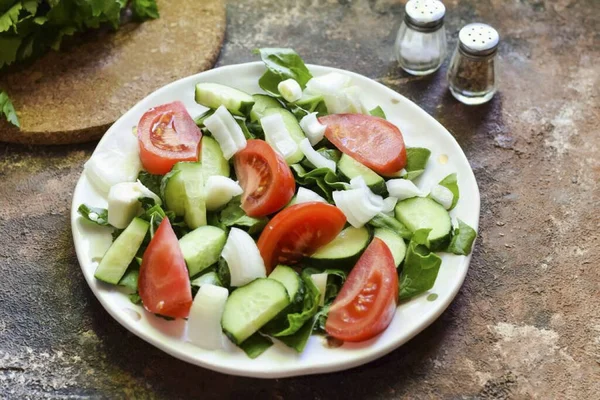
pixel 213 95
pixel 293 127
pixel 213 162
pixel 351 168
pixel 183 191
pixel 210 278
pixel 344 250
pixel 394 242
pixel 121 253
pixel 424 213
pixel 309 99
pixel 291 280
pixel 261 103
pixel 202 247
pixel 251 306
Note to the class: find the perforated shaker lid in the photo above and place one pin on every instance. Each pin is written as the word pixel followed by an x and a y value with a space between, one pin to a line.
pixel 428 14
pixel 478 39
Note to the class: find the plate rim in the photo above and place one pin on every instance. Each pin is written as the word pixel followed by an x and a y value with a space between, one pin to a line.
pixel 276 372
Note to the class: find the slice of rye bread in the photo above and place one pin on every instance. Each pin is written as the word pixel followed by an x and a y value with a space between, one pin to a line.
pixel 73 96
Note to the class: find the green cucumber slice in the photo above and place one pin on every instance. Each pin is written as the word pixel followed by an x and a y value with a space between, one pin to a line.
pixel 262 102
pixel 120 254
pixel 291 280
pixel 394 242
pixel 202 247
pixel 293 127
pixel 424 213
pixel 344 250
pixel 211 157
pixel 351 168
pixel 213 95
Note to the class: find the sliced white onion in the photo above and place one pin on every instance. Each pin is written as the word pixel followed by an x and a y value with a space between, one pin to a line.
pixel 388 205
pixel 312 128
pixel 219 191
pixel 318 160
pixel 328 84
pixel 441 195
pixel 243 258
pixel 226 131
pixel 123 202
pixel 290 90
pixel 114 161
pixel 348 100
pixel 359 183
pixel 356 206
pixel 320 281
pixel 204 322
pixel 278 136
pixel 305 195
pixel 402 189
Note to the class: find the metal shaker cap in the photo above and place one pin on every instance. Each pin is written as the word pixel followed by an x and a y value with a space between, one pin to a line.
pixel 478 39
pixel 425 15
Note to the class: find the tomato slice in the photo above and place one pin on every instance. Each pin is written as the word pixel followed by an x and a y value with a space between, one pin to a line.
pixel 366 303
pixel 298 231
pixel 372 141
pixel 163 284
pixel 267 180
pixel 167 134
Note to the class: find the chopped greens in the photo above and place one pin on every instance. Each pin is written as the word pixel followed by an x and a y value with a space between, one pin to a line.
pixel 421 267
pixel 451 184
pixel 416 160
pixel 462 239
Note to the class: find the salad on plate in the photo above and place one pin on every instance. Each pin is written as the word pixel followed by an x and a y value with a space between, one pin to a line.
pixel 273 216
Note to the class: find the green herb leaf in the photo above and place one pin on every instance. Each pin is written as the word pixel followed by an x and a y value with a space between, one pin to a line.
pixel 7 108
pixel 144 9
pixel 282 64
pixel 130 279
pixel 10 17
pixel 462 239
pixel 321 180
pixel 255 345
pixel 421 267
pixel 378 112
pixel 451 183
pixel 298 340
pixel 151 181
pixel 8 49
pixel 96 215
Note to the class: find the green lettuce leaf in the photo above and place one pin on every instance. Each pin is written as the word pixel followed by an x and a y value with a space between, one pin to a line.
pixel 233 215
pixel 130 279
pixel 144 9
pixel 462 239
pixel 321 180
pixel 421 267
pixel 385 221
pixel 416 160
pixel 450 182
pixel 282 64
pixel 6 106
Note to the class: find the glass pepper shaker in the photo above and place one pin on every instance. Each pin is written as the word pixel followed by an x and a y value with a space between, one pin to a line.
pixel 421 42
pixel 472 72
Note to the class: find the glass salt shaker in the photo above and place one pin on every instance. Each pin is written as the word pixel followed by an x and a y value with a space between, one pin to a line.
pixel 421 42
pixel 472 72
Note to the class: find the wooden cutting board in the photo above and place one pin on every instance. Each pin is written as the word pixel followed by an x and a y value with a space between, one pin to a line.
pixel 74 95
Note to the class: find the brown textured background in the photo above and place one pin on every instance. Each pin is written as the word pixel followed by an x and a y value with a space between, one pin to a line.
pixel 526 323
pixel 74 95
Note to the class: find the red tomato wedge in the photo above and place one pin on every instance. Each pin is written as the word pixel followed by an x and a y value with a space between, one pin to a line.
pixel 163 284
pixel 366 303
pixel 372 141
pixel 267 180
pixel 298 231
pixel 167 134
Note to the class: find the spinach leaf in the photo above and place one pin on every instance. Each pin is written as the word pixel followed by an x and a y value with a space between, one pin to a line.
pixel 233 215
pixel 151 181
pixel 255 345
pixel 247 134
pixel 421 267
pixel 6 105
pixel 335 281
pixel 321 319
pixel 416 160
pixel 378 112
pixel 314 104
pixel 382 220
pixel 321 180
pixel 282 64
pixel 202 117
pixel 290 323
pixel 298 340
pixel 99 216
pixel 451 183
pixel 462 239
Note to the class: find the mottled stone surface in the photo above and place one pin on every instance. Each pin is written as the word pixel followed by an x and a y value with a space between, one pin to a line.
pixel 526 323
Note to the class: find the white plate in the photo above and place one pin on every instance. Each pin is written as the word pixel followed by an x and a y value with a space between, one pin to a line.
pixel 419 129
